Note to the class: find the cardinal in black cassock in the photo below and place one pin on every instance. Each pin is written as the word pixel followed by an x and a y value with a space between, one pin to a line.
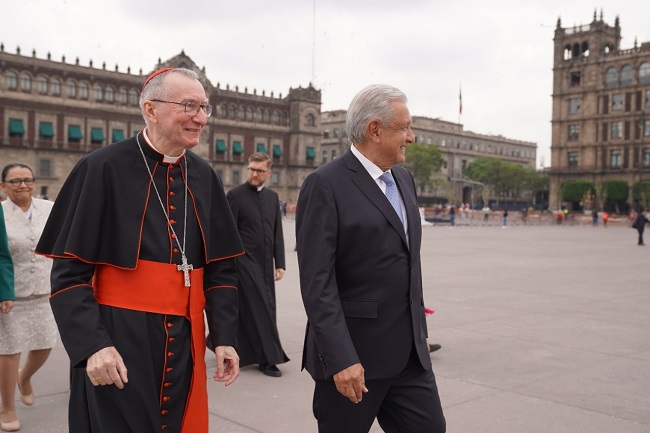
pixel 108 226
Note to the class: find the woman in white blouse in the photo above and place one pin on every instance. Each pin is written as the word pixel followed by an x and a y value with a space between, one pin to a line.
pixel 29 327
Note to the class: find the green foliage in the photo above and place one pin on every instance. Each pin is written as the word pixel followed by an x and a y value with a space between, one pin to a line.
pixel 575 190
pixel 423 161
pixel 506 178
pixel 641 193
pixel 616 190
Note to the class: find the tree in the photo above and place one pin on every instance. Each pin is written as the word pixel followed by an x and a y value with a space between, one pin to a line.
pixel 641 193
pixel 615 191
pixel 575 190
pixel 502 178
pixel 423 161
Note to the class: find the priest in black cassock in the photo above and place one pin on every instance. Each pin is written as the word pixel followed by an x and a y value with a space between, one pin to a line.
pixel 143 243
pixel 257 213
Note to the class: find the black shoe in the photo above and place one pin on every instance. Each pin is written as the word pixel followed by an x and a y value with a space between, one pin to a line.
pixel 270 370
pixel 434 347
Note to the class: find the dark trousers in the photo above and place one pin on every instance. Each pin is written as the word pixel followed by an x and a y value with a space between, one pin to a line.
pixel 407 403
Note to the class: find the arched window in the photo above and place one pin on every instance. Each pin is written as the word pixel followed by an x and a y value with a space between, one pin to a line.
pixel 241 113
pixel 99 93
pixel 276 118
pixel 109 96
pixel 249 114
pixel 122 96
pixel 232 112
pixel 576 50
pixel 41 85
pixel 585 49
pixel 267 116
pixel 567 52
pixel 25 82
pixel 611 77
pixel 72 89
pixel 644 73
pixel 259 115
pixel 223 110
pixel 311 120
pixel 12 80
pixel 626 75
pixel 133 97
pixel 83 90
pixel 55 86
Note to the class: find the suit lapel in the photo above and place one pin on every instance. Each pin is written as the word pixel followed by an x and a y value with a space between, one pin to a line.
pixel 371 190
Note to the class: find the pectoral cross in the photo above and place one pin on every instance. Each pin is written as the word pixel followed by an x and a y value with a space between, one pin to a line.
pixel 185 268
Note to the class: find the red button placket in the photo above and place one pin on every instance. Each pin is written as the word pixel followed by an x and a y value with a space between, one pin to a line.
pixel 168 374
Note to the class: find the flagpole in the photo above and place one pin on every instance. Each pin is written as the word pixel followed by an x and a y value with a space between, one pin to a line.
pixel 460 102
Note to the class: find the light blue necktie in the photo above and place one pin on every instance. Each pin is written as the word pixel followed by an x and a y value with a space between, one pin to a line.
pixel 392 194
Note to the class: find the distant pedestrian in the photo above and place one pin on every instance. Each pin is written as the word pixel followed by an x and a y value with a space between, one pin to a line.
pixel 505 218
pixel 605 218
pixel 452 215
pixel 486 214
pixel 524 215
pixel 639 224
pixel 594 216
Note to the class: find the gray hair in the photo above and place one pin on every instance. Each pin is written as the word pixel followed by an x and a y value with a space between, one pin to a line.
pixel 371 103
pixel 157 89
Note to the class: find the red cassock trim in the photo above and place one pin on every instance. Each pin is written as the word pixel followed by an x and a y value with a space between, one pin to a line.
pixel 161 289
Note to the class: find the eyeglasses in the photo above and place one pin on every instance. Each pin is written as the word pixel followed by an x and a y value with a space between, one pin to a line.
pixel 28 181
pixel 257 171
pixel 191 108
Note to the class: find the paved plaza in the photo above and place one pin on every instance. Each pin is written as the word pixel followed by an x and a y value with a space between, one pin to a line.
pixel 543 329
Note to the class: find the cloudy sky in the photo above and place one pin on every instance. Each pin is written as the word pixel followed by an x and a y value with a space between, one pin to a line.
pixel 499 52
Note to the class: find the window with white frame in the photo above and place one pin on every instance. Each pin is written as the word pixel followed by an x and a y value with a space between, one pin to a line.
pixel 615 159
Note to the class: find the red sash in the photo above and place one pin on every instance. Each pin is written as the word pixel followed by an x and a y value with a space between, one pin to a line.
pixel 160 288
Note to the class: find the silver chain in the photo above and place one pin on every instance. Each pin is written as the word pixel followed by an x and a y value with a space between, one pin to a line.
pixel 137 139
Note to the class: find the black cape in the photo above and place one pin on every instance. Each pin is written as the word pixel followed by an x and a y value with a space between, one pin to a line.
pixel 108 213
pixel 259 221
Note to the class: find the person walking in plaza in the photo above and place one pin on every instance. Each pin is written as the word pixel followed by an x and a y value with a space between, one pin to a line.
pixel 358 233
pixel 143 244
pixel 258 215
pixel 505 218
pixel 29 327
pixel 639 224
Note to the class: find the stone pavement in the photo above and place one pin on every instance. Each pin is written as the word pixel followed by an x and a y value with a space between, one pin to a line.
pixel 543 329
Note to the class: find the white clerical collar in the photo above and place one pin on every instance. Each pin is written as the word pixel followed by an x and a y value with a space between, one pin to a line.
pixel 372 169
pixel 260 188
pixel 166 158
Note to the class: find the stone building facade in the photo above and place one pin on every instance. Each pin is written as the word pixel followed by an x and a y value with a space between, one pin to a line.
pixel 459 148
pixel 601 107
pixel 53 112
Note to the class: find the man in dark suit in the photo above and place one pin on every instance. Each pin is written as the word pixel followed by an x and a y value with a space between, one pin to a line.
pixel 358 242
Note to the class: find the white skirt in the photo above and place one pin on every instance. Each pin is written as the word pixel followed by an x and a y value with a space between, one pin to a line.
pixel 29 326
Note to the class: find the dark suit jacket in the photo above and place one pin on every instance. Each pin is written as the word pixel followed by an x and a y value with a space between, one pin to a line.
pixel 360 280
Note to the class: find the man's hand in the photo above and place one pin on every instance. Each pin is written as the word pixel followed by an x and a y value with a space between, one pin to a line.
pixel 227 364
pixel 106 367
pixel 279 273
pixel 351 383
pixel 6 306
